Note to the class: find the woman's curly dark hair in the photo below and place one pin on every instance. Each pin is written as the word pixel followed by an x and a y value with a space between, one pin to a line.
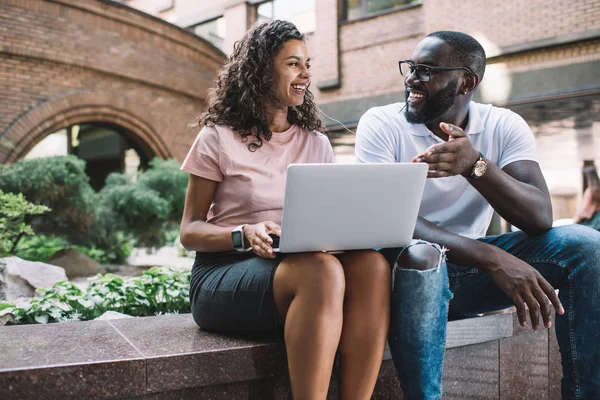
pixel 244 86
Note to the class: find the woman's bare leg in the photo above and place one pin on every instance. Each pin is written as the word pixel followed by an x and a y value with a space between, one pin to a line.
pixel 309 296
pixel 366 322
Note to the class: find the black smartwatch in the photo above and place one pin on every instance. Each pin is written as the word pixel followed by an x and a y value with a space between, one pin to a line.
pixel 237 238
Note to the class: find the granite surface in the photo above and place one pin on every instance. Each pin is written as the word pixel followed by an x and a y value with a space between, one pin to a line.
pixel 524 366
pixel 554 367
pixel 169 357
pixel 469 331
pixel 177 353
pixel 388 385
pixel 472 372
pixel 176 334
pixel 70 360
pixel 23 346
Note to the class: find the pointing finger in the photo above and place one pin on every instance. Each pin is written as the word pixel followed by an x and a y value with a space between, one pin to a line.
pixel 452 130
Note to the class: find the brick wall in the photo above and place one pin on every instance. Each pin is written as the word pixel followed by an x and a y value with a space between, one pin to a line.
pixel 369 54
pixel 370 48
pixel 98 61
pixel 325 53
pixel 507 23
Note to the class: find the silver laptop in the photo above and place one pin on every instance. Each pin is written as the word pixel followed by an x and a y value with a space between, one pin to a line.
pixel 329 207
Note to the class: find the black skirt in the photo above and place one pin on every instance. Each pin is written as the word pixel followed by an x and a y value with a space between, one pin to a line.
pixel 232 293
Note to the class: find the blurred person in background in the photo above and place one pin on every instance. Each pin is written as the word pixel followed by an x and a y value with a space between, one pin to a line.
pixel 588 213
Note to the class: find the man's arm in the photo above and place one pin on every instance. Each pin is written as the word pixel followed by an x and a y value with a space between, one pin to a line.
pixel 518 192
pixel 522 283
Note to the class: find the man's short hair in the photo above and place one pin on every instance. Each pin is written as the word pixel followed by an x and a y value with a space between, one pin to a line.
pixel 468 51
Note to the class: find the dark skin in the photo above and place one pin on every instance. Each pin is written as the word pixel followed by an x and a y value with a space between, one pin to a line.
pixel 518 191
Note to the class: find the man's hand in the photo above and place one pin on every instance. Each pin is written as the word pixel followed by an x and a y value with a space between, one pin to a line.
pixel 454 157
pixel 257 236
pixel 523 284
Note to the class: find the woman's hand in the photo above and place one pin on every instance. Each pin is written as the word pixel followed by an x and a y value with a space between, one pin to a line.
pixel 257 236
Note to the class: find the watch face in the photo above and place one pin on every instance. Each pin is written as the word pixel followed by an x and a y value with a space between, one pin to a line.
pixel 236 238
pixel 480 168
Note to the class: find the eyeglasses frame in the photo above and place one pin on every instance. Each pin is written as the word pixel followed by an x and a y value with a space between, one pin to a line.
pixel 432 69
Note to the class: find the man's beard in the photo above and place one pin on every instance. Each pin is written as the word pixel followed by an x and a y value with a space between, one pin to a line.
pixel 434 107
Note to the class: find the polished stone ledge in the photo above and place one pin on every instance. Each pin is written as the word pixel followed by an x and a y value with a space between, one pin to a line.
pixel 170 357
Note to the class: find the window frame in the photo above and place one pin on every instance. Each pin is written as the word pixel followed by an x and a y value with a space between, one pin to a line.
pixel 258 3
pixel 366 15
pixel 191 29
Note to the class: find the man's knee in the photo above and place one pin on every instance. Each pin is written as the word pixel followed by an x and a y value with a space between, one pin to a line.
pixel 585 239
pixel 420 257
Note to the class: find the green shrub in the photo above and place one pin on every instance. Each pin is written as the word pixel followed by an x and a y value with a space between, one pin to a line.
pixel 165 178
pixel 42 247
pixel 141 210
pixel 59 183
pixel 149 208
pixel 157 291
pixel 15 213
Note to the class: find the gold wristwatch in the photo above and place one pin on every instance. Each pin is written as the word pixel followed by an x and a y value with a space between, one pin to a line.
pixel 479 167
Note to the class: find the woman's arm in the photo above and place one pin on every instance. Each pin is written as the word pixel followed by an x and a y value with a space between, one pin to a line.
pixel 197 234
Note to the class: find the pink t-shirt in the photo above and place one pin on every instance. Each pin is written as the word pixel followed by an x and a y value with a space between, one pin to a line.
pixel 251 184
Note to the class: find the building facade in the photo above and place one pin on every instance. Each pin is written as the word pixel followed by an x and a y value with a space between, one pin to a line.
pixel 141 68
pixel 543 62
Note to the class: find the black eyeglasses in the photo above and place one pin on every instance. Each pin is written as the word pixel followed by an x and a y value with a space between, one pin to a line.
pixel 423 72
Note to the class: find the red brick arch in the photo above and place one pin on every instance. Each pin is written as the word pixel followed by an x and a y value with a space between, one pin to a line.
pixel 65 62
pixel 77 108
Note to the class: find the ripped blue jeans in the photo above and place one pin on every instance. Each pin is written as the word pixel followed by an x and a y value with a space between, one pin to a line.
pixel 569 259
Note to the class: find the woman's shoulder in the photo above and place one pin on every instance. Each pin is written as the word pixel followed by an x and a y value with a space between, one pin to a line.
pixel 217 130
pixel 224 134
pixel 313 134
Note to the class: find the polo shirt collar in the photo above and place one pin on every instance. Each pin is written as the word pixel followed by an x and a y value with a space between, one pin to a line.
pixel 474 126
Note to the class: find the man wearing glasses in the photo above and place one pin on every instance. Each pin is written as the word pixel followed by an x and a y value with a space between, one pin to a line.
pixel 481 158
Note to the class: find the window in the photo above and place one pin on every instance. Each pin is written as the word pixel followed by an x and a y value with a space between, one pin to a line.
pixel 213 31
pixel 354 9
pixel 300 13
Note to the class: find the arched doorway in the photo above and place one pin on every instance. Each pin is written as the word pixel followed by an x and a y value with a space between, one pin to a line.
pixel 105 148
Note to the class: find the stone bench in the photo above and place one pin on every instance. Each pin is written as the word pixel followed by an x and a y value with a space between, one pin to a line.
pixel 168 357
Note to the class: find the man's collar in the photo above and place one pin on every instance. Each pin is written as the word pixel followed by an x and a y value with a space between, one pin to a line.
pixel 474 126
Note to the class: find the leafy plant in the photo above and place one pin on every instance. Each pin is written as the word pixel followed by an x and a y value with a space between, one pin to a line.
pixel 157 291
pixel 42 247
pixel 15 213
pixel 142 209
pixel 59 183
pixel 166 179
pixel 149 205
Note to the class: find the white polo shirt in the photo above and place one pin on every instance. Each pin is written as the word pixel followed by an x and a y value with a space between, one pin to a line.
pixel 503 137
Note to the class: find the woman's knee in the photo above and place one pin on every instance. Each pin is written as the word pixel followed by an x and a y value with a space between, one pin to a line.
pixel 420 257
pixel 319 274
pixel 366 265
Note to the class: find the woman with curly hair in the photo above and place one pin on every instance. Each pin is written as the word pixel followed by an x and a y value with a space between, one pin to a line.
pixel 260 118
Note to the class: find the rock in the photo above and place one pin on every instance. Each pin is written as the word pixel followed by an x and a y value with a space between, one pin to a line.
pixel 6 319
pixel 20 278
pixel 113 315
pixel 76 263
